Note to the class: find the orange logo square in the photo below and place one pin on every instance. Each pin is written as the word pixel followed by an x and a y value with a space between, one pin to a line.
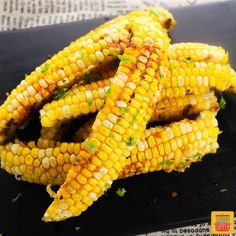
pixel 222 222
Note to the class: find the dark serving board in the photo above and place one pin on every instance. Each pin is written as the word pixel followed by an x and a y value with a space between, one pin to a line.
pixel 148 205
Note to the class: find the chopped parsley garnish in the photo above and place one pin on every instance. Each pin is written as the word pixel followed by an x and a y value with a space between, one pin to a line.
pixel 60 94
pixel 90 77
pixel 83 55
pixel 108 92
pixel 171 62
pixel 91 147
pixel 45 68
pixel 107 186
pixel 143 84
pixel 123 109
pixel 154 11
pixel 14 199
pixel 118 120
pixel 223 190
pixel 121 57
pixel 159 73
pixel 222 103
pixel 131 141
pixel 77 228
pixel 90 103
pixel 197 155
pixel 135 118
pixel 121 192
pixel 167 163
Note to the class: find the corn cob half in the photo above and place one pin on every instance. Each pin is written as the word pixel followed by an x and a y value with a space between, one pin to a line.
pixel 171 148
pixel 182 79
pixel 104 72
pixel 110 142
pixel 67 67
pixel 166 110
pixel 192 52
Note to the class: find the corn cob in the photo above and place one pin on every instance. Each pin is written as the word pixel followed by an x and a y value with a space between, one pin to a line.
pixel 182 79
pixel 198 52
pixel 174 147
pixel 110 142
pixel 166 110
pixel 62 70
pixel 104 72
pixel 178 108
pixel 67 67
pixel 46 165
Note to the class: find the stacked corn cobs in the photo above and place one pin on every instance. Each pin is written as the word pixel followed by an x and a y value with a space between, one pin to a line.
pixel 128 73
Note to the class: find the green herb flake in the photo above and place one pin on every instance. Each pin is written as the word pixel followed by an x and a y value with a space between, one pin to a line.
pixel 154 11
pixel 222 103
pixel 108 92
pixel 168 23
pixel 223 190
pixel 135 117
pixel 90 103
pixel 167 163
pixel 159 73
pixel 197 155
pixel 83 55
pixel 60 94
pixel 171 62
pixel 107 186
pixel 121 57
pixel 124 59
pixel 131 141
pixel 121 192
pixel 91 147
pixel 118 120
pixel 15 199
pixel 123 110
pixel 77 228
pixel 45 68
pixel 143 84
pixel 90 77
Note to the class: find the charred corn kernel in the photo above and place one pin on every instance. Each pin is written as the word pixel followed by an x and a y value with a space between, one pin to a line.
pixel 151 31
pixel 191 52
pixel 177 159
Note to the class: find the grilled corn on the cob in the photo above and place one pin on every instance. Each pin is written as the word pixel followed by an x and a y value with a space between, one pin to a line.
pixel 182 79
pixel 67 67
pixel 173 147
pixel 110 142
pixel 192 52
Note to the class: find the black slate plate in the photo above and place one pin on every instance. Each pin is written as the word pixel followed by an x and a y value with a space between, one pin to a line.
pixel 147 206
